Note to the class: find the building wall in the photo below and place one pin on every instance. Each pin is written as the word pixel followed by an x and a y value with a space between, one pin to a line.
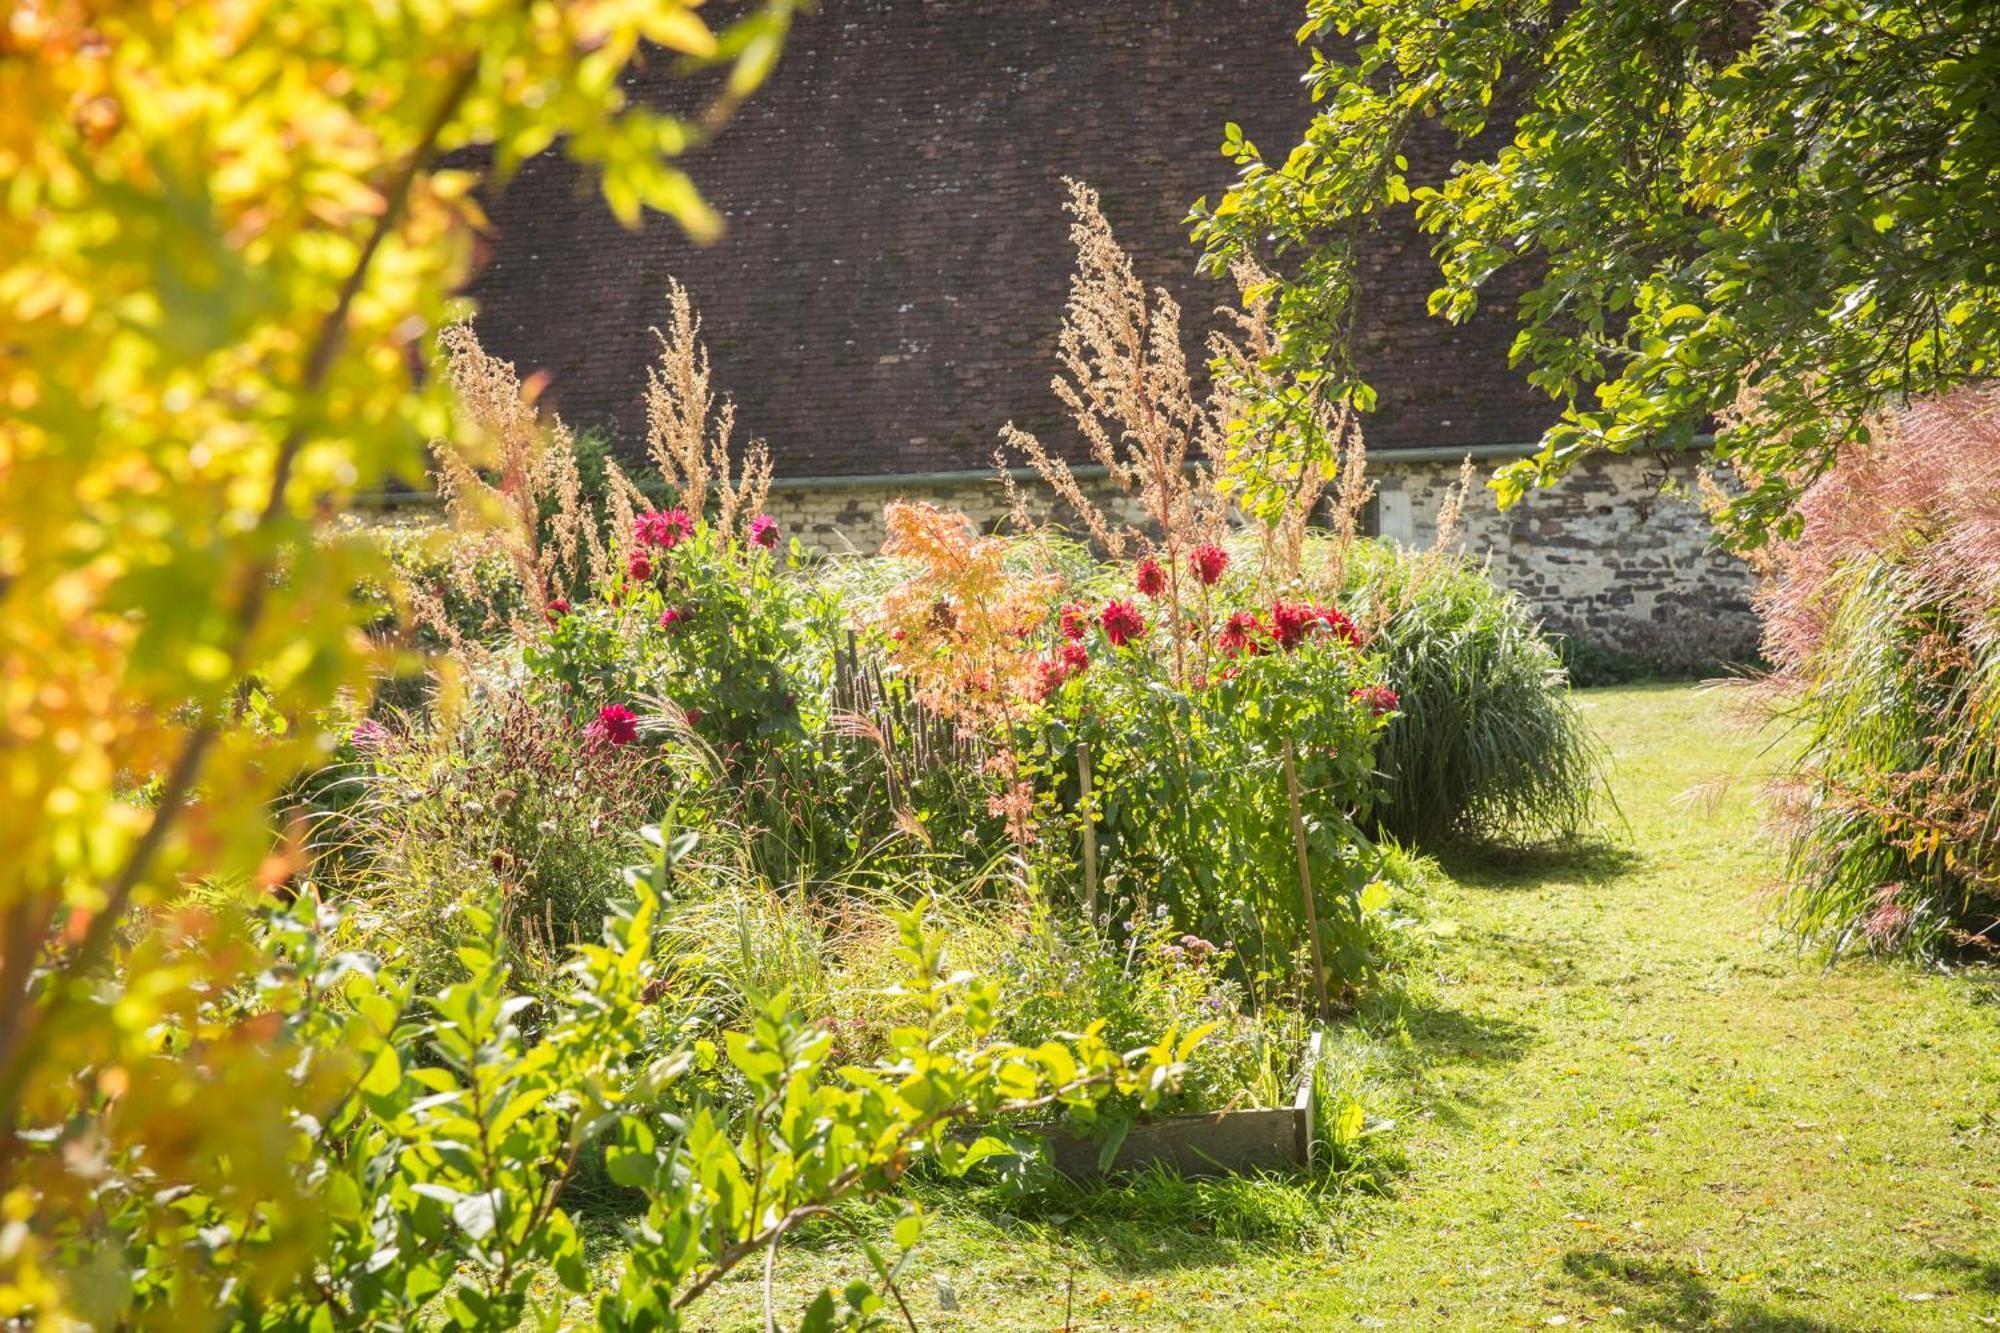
pixel 897 258
pixel 889 289
pixel 1605 556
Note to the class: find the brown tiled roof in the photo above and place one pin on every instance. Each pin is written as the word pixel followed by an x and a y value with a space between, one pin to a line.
pixel 897 256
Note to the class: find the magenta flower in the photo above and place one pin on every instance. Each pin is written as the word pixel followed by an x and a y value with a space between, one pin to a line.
pixel 663 528
pixel 615 725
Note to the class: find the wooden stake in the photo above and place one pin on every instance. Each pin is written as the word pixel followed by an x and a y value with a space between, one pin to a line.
pixel 1305 882
pixel 1089 830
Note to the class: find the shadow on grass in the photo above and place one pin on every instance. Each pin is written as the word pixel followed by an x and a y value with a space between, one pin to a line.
pixel 1969 1271
pixel 1155 1221
pixel 1439 1034
pixel 1487 866
pixel 1662 1294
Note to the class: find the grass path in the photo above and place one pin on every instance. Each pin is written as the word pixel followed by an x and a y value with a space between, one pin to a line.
pixel 1648 1110
pixel 1627 1102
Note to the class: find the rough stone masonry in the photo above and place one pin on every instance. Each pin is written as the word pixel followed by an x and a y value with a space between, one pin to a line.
pixel 893 276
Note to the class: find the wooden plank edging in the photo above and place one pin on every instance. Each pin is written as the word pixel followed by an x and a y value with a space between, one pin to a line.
pixel 1208 1143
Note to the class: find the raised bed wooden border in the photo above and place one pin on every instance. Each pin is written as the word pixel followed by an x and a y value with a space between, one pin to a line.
pixel 1215 1143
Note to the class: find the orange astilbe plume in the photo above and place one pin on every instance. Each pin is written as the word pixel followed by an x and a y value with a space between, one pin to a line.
pixel 532 512
pixel 963 626
pixel 1124 379
pixel 688 428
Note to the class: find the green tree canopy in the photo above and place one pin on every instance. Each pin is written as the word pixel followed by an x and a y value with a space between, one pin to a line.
pixel 1793 204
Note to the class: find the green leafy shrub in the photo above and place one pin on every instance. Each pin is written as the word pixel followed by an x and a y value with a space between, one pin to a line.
pixel 434 1142
pixel 1486 742
pixel 1060 975
pixel 707 622
pixel 1193 789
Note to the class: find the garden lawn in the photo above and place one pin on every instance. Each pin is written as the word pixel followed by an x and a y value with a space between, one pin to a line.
pixel 1622 1100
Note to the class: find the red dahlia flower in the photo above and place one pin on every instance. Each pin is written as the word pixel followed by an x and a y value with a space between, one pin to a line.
pixel 675 616
pixel 1075 658
pixel 1075 622
pixel 1208 561
pixel 1122 623
pixel 615 725
pixel 764 531
pixel 1239 633
pixel 1150 578
pixel 555 610
pixel 638 567
pixel 1379 698
pixel 1051 672
pixel 1291 622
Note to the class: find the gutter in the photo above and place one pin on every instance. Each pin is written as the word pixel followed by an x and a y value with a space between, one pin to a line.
pixel 1432 453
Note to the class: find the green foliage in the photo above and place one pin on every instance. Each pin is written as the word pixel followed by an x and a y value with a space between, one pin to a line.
pixel 1486 742
pixel 226 228
pixel 1193 811
pixel 436 1156
pixel 1060 975
pixel 1794 202
pixel 421 554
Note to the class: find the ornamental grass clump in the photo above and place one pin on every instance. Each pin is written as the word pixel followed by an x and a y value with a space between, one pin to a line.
pixel 1486 743
pixel 507 804
pixel 1882 624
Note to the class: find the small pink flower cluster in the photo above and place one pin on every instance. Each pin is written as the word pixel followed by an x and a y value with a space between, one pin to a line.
pixel 1188 949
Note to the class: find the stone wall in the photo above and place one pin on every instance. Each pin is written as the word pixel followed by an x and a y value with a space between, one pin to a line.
pixel 1607 556
pixel 1616 554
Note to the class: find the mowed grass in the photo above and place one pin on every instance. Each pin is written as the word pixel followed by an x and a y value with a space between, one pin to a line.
pixel 1622 1100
